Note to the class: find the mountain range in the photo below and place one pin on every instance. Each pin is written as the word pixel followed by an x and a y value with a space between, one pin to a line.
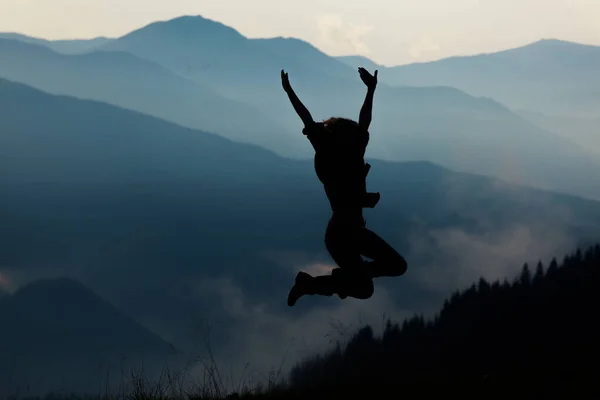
pixel 549 76
pixel 125 80
pixel 203 74
pixel 74 46
pixel 164 174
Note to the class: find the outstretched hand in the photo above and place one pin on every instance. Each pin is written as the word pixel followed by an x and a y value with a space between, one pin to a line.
pixel 285 81
pixel 367 78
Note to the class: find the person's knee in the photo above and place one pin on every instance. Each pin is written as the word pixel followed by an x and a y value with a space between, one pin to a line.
pixel 396 266
pixel 401 266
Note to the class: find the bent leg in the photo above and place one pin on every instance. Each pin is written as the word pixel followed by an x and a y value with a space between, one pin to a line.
pixel 341 241
pixel 350 279
pixel 386 260
pixel 355 284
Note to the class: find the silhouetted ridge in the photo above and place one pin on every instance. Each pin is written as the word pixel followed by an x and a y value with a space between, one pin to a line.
pixel 557 44
pixel 23 47
pixel 65 46
pixel 538 330
pixel 41 316
pixel 355 61
pixel 49 288
pixel 57 333
pixel 189 25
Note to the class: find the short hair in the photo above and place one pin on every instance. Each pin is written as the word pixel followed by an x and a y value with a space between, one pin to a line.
pixel 340 124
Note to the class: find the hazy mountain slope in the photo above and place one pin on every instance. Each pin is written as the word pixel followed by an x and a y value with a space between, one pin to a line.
pixel 74 46
pixel 61 317
pixel 548 76
pixel 360 61
pixel 306 53
pixel 585 132
pixel 58 332
pixel 127 81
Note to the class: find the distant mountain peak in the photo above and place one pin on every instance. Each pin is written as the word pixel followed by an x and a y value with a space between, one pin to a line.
pixel 551 43
pixel 550 40
pixel 192 20
pixel 190 25
pixel 555 41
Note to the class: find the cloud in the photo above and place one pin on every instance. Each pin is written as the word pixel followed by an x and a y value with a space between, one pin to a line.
pixel 301 261
pixel 493 254
pixel 340 36
pixel 492 241
pixel 424 48
pixel 267 340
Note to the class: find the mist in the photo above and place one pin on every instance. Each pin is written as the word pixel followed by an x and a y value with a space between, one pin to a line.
pixel 156 187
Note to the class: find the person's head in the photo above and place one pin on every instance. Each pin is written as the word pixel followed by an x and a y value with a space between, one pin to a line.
pixel 341 125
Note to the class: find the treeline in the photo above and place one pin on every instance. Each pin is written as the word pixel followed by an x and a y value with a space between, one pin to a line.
pixel 537 335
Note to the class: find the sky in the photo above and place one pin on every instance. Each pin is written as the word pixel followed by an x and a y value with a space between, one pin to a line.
pixel 390 32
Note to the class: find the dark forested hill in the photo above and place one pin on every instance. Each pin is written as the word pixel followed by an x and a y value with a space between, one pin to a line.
pixel 536 335
pixel 58 334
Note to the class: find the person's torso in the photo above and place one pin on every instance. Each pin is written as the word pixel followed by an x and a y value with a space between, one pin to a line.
pixel 340 166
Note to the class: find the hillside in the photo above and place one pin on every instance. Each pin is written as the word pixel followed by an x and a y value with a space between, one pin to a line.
pixel 548 76
pixel 583 131
pixel 357 61
pixel 117 197
pixel 534 336
pixel 74 46
pixel 58 332
pixel 306 53
pixel 127 81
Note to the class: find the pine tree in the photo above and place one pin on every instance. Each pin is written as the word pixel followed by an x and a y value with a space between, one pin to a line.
pixel 552 268
pixel 525 278
pixel 483 287
pixel 539 274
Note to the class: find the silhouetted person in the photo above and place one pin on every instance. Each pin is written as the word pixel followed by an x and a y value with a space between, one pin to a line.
pixel 340 145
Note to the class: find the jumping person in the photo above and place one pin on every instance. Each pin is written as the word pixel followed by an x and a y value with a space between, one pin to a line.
pixel 340 145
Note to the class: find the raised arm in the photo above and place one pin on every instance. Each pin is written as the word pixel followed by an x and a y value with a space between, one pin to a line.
pixel 302 111
pixel 366 111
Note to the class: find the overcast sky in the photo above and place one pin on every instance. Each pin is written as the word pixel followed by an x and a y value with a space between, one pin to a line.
pixel 388 31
